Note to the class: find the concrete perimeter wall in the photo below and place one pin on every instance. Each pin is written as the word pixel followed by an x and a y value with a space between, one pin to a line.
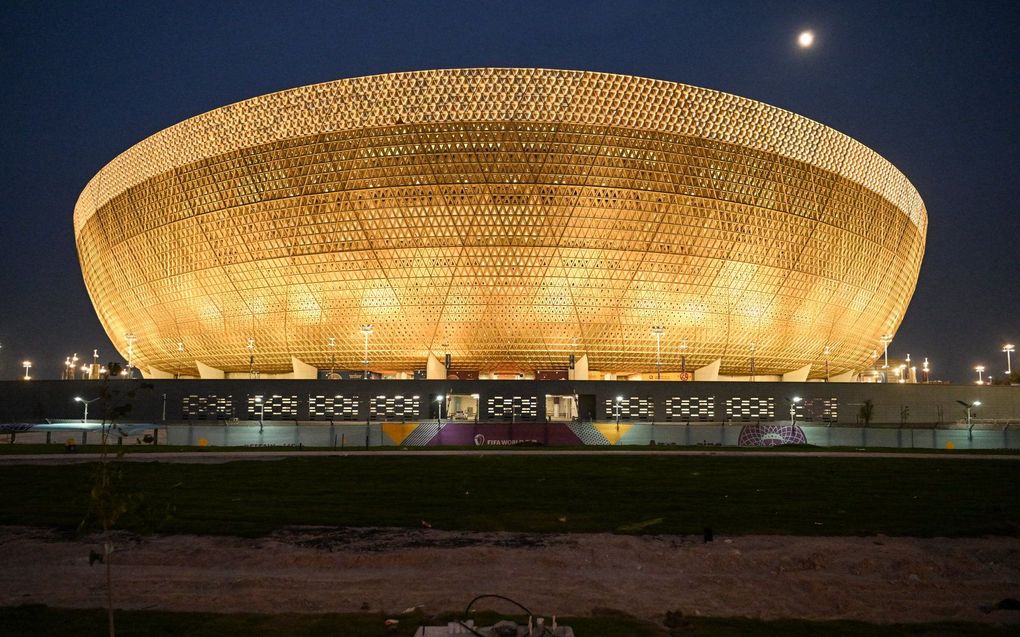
pixel 643 402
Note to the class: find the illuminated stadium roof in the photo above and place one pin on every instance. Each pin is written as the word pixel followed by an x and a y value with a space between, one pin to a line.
pixel 510 217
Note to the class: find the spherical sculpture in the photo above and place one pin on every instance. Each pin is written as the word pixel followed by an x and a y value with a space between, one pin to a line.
pixel 510 217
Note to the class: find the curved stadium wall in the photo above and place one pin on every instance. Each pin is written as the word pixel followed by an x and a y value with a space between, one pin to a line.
pixel 510 217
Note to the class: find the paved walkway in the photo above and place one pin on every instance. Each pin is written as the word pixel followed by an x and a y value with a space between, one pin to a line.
pixel 216 457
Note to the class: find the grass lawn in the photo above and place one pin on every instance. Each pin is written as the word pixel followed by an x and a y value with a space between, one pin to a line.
pixel 641 494
pixel 56 622
pixel 131 448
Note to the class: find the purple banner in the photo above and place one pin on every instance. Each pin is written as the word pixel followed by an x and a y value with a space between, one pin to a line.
pixel 504 434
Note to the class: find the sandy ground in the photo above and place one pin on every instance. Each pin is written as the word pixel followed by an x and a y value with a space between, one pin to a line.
pixel 313 570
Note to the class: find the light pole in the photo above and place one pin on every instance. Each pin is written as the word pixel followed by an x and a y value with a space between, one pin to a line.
pixel 85 418
pixel 753 348
pixel 131 352
pixel 439 399
pixel 262 412
pixel 74 365
pixel 251 358
pixel 1008 348
pixel 980 369
pixel 658 331
pixel 619 399
pixel 925 369
pixel 27 365
pixel 793 409
pixel 885 339
pixel 366 330
pixel 970 426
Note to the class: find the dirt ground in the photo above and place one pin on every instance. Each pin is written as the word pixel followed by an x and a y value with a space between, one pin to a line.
pixel 878 579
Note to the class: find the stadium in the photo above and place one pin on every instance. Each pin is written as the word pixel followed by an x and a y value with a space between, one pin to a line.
pixel 500 223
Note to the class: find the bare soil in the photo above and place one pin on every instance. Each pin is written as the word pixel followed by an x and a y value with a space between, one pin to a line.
pixel 313 570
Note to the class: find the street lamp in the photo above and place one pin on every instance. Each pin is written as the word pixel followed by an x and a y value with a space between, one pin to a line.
pixel 79 399
pixel 793 409
pixel 885 339
pixel 980 369
pixel 131 351
pixel 1008 348
pixel 180 355
pixel 27 365
pixel 251 358
pixel 85 418
pixel 262 412
pixel 753 348
pixel 658 331
pixel 366 330
pixel 439 399
pixel 967 406
pixel 925 369
pixel 619 399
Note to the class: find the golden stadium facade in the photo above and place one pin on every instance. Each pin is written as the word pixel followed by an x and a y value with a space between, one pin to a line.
pixel 509 217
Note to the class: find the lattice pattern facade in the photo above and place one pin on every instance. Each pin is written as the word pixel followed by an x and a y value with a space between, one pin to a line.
pixel 511 408
pixel 690 409
pixel 510 217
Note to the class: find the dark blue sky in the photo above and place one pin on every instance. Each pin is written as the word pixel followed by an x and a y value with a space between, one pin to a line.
pixel 932 86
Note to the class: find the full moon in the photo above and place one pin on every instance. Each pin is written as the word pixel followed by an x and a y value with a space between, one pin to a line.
pixel 806 39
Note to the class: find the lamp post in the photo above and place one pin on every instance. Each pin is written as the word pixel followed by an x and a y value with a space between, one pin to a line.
pixel 753 348
pixel 1008 348
pixel 85 418
pixel 27 365
pixel 366 330
pixel 619 399
pixel 970 426
pixel 925 369
pixel 251 358
pixel 262 411
pixel 885 339
pixel 658 331
pixel 793 409
pixel 980 369
pixel 131 353
pixel 439 399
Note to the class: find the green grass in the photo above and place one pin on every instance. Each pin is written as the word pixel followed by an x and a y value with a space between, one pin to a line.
pixel 131 448
pixel 635 494
pixel 58 622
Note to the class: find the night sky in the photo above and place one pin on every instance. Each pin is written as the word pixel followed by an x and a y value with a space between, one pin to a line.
pixel 933 87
